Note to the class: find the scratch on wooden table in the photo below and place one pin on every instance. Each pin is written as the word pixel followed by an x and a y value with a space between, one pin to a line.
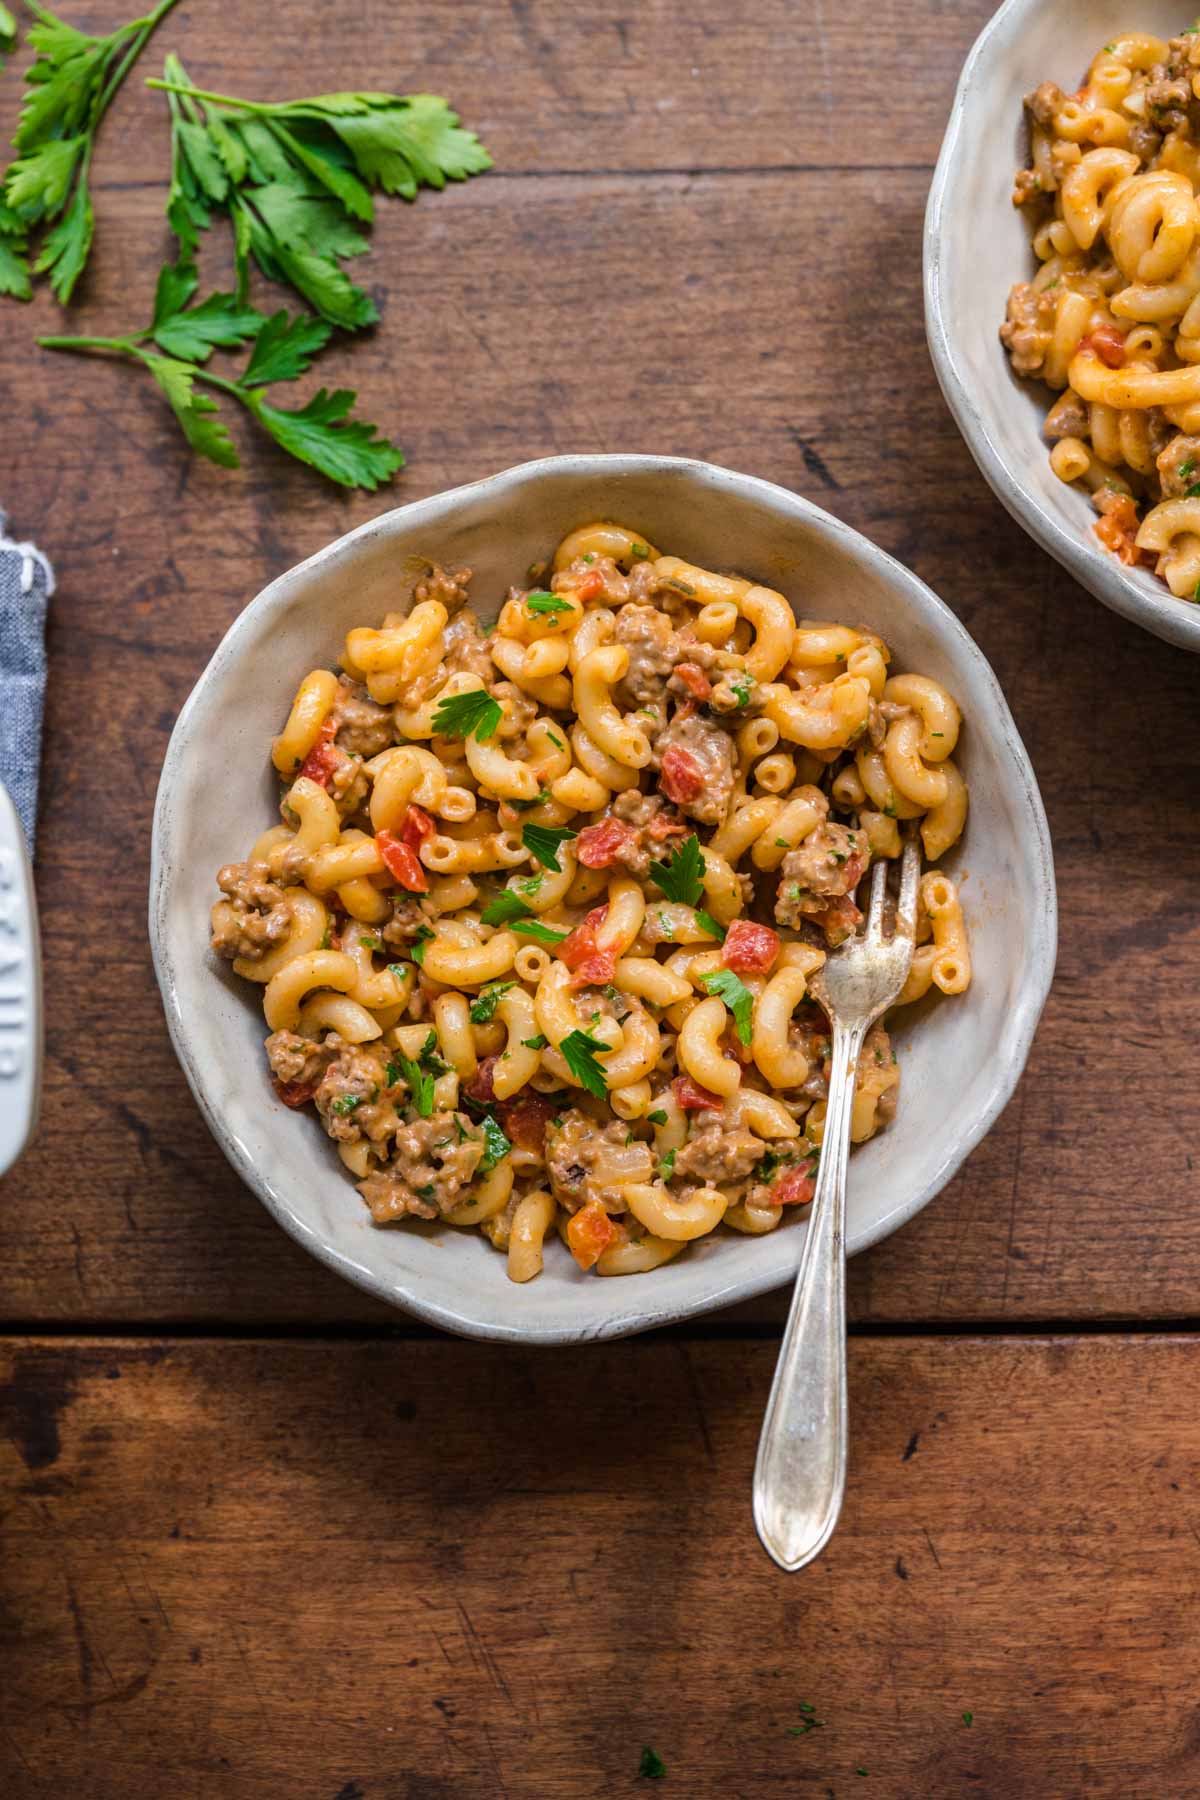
pixel 480 1654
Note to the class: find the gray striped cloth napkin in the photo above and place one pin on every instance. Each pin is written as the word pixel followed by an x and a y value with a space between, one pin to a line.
pixel 26 584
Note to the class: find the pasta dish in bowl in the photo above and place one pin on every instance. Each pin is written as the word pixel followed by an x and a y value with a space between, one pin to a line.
pixel 614 1039
pixel 1111 321
pixel 551 864
pixel 1089 279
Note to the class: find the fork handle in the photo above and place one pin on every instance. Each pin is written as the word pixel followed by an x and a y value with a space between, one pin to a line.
pixel 801 1468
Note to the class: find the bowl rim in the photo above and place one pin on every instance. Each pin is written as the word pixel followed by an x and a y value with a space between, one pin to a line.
pixel 1135 595
pixel 1021 1024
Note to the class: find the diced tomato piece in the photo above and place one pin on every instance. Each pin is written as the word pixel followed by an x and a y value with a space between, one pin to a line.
pixel 694 680
pixel 294 1093
pixel 595 971
pixel 1118 529
pixel 589 1233
pixel 750 949
pixel 854 868
pixel 795 1187
pixel 599 846
pixel 839 920
pixel 1108 344
pixel 694 1098
pixel 579 944
pixel 663 826
pixel 681 778
pixel 480 1085
pixel 323 758
pixel 525 1120
pixel 589 586
pixel 400 861
pixel 416 828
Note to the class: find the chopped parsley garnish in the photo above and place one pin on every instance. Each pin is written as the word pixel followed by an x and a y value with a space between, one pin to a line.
pixel 1192 491
pixel 967 1717
pixel 429 1059
pixel 782 844
pixel 483 1008
pixel 535 1043
pixel 707 923
pixel 420 1085
pixel 617 1000
pixel 652 1764
pixel 1186 468
pixel 764 1168
pixel 474 714
pixel 556 741
pixel 741 688
pixel 657 1118
pixel 681 876
pixel 589 556
pixel 682 587
pixel 639 552
pixel 495 1145
pixel 368 942
pixel 326 940
pixel 579 1050
pixel 667 1166
pixel 347 1104
pixel 400 970
pixel 530 886
pixel 666 927
pixel 541 600
pixel 423 937
pixel 506 907
pixel 541 934
pixel 737 997
pixel 1196 591
pixel 544 842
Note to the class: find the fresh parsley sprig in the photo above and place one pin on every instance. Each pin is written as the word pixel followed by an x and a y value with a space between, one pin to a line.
pixel 68 90
pixel 504 908
pixel 296 177
pixel 543 842
pixel 579 1049
pixel 681 877
pixel 474 714
pixel 737 997
pixel 541 600
pixel 180 339
pixel 483 1007
pixel 8 34
pixel 495 1145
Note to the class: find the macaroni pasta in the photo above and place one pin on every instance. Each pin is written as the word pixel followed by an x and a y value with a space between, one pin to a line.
pixel 512 935
pixel 1111 320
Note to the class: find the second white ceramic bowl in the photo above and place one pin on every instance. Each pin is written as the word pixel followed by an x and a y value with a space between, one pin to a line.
pixel 217 793
pixel 977 245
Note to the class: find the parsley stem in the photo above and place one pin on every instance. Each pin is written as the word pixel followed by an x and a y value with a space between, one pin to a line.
pixel 195 93
pixel 123 346
pixel 145 29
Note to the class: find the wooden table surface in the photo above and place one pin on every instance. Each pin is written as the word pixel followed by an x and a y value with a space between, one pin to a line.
pixel 261 1536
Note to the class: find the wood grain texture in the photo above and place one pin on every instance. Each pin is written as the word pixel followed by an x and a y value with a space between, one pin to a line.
pixel 765 314
pixel 369 1572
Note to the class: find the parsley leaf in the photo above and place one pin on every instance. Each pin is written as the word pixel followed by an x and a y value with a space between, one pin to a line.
pixel 680 877
pixel 535 1043
pixel 542 934
pixel 666 1167
pixel 657 1118
pixel 709 924
pixel 495 1145
pixel 541 600
pixel 348 1104
pixel 296 177
pixel 543 842
pixel 474 714
pixel 346 450
pixel 579 1050
pixel 737 997
pixel 8 34
pixel 423 937
pixel 651 1764
pixel 420 1085
pixel 68 90
pixel 483 1009
pixel 505 907
pixel 284 348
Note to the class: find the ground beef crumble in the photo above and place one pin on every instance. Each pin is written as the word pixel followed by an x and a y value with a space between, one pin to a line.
pixel 433 1162
pixel 254 916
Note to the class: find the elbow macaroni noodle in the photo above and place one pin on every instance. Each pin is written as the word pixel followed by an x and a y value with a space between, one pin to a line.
pixel 511 932
pixel 1111 320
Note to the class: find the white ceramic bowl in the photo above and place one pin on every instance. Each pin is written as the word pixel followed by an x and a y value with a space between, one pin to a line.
pixel 977 245
pixel 217 793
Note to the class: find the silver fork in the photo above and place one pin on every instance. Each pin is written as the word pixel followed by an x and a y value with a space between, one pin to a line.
pixel 801 1468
